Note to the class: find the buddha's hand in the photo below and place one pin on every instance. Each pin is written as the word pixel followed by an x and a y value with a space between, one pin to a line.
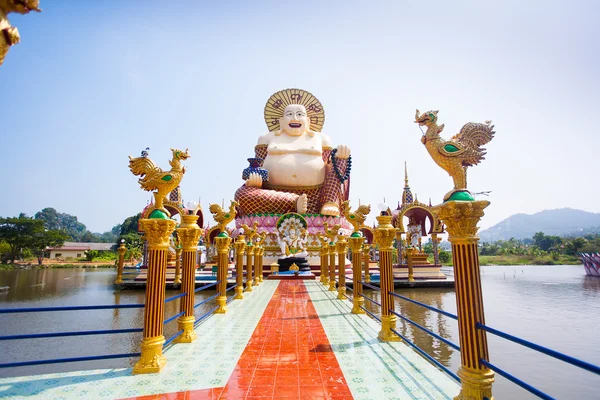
pixel 254 180
pixel 343 151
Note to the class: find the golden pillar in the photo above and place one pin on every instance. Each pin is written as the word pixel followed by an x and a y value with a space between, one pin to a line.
pixel 223 242
pixel 240 246
pixel 341 247
pixel 260 261
pixel 324 261
pixel 461 218
pixel 157 232
pixel 367 259
pixel 188 233
pixel 409 262
pixel 332 255
pixel 249 257
pixel 121 250
pixel 256 264
pixel 384 237
pixel 177 279
pixel 356 242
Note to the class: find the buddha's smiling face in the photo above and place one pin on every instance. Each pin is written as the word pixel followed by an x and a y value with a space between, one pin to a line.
pixel 294 121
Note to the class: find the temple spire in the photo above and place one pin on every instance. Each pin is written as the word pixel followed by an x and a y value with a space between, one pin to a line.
pixel 407 196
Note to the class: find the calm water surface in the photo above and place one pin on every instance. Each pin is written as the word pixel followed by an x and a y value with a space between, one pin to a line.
pixel 555 306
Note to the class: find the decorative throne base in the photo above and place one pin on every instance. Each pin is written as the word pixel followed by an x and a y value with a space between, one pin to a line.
pixel 268 222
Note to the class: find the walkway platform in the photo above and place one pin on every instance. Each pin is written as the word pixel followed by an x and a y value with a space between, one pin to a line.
pixel 285 340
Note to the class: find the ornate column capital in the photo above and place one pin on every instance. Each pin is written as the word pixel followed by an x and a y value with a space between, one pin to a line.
pixel 356 243
pixel 461 218
pixel 341 244
pixel 157 232
pixel 223 243
pixel 385 233
pixel 240 244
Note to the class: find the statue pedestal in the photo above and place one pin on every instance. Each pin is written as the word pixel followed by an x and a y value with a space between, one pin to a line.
pixel 286 263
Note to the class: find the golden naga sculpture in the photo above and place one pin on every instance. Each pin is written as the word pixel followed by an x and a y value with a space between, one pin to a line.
pixel 154 178
pixel 10 34
pixel 455 155
pixel 358 217
pixel 331 234
pixel 223 218
pixel 250 233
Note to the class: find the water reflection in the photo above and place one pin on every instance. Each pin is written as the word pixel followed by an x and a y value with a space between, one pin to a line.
pixel 431 320
pixel 64 287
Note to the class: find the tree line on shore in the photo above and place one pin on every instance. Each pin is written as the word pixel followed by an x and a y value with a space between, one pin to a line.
pixel 24 237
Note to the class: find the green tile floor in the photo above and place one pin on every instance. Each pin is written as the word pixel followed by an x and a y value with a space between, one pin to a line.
pixel 206 363
pixel 373 369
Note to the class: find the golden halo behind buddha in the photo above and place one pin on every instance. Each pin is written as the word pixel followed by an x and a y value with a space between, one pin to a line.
pixel 278 101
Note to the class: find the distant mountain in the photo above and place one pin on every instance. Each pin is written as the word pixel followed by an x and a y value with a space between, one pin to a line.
pixel 560 222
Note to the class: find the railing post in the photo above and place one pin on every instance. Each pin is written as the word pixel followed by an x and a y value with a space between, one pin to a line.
pixel 341 246
pixel 157 232
pixel 249 257
pixel 256 264
pixel 260 261
pixel 177 279
pixel 461 218
pixel 325 263
pixel 240 246
pixel 356 241
pixel 188 233
pixel 223 241
pixel 121 262
pixel 367 258
pixel 384 237
pixel 332 255
pixel 409 262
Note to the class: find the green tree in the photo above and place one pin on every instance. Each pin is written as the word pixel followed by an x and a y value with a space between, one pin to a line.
pixel 60 221
pixel 445 256
pixel 130 225
pixel 134 245
pixel 25 233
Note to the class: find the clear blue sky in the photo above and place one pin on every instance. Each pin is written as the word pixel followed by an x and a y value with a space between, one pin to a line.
pixel 95 81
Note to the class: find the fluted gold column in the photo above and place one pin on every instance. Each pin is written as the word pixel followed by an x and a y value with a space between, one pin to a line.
pixel 384 237
pixel 188 233
pixel 121 250
pixel 461 218
pixel 367 260
pixel 223 241
pixel 355 242
pixel 341 247
pixel 249 257
pixel 240 247
pixel 260 262
pixel 177 279
pixel 324 261
pixel 332 256
pixel 409 262
pixel 157 233
pixel 256 264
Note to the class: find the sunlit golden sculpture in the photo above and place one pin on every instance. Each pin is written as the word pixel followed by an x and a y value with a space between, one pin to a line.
pixel 154 178
pixel 455 155
pixel 358 217
pixel 222 217
pixel 9 34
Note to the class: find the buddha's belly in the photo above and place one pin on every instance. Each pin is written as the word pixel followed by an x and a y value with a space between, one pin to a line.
pixel 295 169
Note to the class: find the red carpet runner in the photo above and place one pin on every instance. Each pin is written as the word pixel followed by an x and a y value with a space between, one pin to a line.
pixel 287 357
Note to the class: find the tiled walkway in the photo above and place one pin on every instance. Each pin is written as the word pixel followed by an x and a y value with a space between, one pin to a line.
pixel 285 340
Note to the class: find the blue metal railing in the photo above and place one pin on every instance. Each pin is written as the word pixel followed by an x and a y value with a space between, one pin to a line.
pixel 68 308
pixel 173 317
pixel 435 335
pixel 204 316
pixel 177 296
pixel 175 336
pixel 207 286
pixel 206 300
pixel 541 349
pixel 427 356
pixel 64 360
pixel 63 334
pixel 375 288
pixel 437 310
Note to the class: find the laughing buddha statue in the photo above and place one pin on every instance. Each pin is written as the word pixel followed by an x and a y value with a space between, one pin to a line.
pixel 301 172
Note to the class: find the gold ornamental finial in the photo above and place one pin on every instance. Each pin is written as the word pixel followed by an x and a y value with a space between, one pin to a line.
pixel 405 175
pixel 154 178
pixel 331 233
pixel 250 233
pixel 223 218
pixel 358 217
pixel 455 155
pixel 9 35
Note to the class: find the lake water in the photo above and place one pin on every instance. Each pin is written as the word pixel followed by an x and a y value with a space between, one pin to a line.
pixel 555 306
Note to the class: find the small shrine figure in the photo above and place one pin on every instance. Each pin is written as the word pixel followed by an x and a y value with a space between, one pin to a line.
pixel 292 238
pixel 414 230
